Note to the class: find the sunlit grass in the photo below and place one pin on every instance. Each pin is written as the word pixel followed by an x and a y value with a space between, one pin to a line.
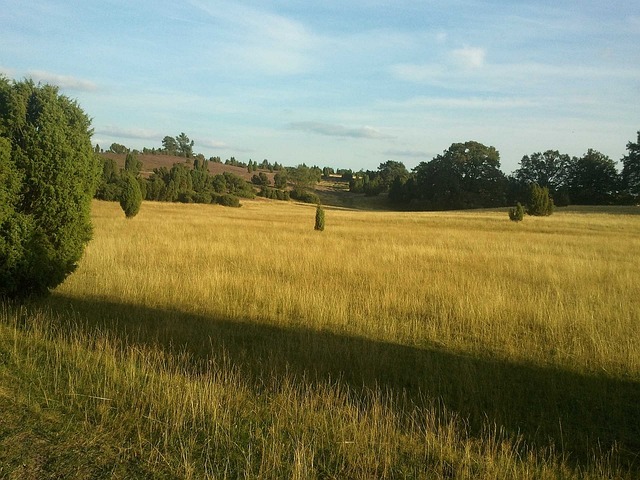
pixel 202 341
pixel 558 289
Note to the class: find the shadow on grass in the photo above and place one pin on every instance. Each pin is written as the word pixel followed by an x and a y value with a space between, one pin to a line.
pixel 577 414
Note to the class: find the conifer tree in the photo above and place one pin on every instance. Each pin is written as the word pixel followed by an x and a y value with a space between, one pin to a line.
pixel 319 218
pixel 540 202
pixel 131 196
pixel 48 176
pixel 516 214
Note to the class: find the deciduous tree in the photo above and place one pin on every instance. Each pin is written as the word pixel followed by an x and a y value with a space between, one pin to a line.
pixel 631 169
pixel 549 169
pixel 593 179
pixel 389 171
pixel 169 145
pixel 467 175
pixel 118 148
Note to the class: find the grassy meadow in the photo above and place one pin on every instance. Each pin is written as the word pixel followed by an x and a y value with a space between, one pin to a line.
pixel 197 341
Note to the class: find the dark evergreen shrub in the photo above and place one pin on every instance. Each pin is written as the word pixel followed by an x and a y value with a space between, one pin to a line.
pixel 131 198
pixel 273 193
pixel 516 214
pixel 143 183
pixel 228 200
pixel 202 197
pixel 561 198
pixel 319 218
pixel 186 196
pixel 48 176
pixel 540 202
pixel 304 196
pixel 260 179
pixel 111 192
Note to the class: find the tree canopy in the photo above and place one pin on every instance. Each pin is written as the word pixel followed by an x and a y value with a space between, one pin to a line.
pixel 185 145
pixel 631 169
pixel 49 172
pixel 467 175
pixel 593 179
pixel 548 169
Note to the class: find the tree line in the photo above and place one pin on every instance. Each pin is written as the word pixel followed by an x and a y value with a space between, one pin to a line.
pixel 468 175
pixel 176 184
pixel 191 182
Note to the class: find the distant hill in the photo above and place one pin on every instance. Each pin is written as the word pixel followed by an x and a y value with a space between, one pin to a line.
pixel 150 162
pixel 334 192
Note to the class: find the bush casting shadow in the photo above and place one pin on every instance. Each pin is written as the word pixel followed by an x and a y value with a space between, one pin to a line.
pixel 577 414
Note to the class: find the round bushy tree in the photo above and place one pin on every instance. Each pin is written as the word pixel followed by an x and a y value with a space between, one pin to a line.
pixel 319 218
pixel 48 174
pixel 131 198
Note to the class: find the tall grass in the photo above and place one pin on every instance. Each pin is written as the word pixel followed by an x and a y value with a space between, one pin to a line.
pixel 202 341
pixel 558 290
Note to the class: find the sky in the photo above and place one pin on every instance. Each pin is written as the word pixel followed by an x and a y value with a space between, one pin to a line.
pixel 339 83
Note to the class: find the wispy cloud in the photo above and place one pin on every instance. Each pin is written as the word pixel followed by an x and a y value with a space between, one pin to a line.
pixel 418 73
pixel 469 57
pixel 259 40
pixel 65 82
pixel 408 153
pixel 211 143
pixel 533 79
pixel 488 103
pixel 7 72
pixel 336 130
pixel 133 133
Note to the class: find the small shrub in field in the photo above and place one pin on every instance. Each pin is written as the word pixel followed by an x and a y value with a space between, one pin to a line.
pixel 304 196
pixel 273 193
pixel 319 218
pixel 516 214
pixel 540 202
pixel 228 200
pixel 131 198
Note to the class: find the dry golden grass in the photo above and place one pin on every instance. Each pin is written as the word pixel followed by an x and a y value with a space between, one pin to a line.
pixel 208 342
pixel 560 290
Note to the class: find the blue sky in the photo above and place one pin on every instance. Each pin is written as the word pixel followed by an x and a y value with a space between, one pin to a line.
pixel 344 83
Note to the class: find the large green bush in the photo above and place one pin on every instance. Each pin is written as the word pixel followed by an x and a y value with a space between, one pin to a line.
pixel 273 193
pixel 540 202
pixel 48 175
pixel 228 200
pixel 131 198
pixel 516 214
pixel 305 196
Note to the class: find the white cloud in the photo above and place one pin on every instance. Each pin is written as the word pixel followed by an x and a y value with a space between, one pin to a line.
pixel 469 57
pixel 335 130
pixel 134 133
pixel 63 81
